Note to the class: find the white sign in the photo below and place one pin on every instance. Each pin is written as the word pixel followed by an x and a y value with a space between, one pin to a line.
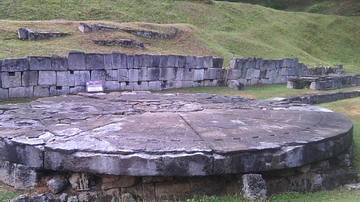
pixel 94 86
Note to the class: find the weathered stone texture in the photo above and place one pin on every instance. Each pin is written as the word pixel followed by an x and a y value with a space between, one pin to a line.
pixel 10 79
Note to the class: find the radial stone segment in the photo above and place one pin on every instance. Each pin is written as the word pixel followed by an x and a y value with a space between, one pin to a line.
pixel 143 134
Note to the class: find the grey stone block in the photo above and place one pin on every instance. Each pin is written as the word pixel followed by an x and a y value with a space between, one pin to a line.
pixel 111 75
pixel 154 85
pixel 139 61
pixel 211 82
pixel 59 90
pixel 181 61
pixel 188 84
pixel 172 61
pixel 15 64
pixel 234 62
pixel 190 61
pixel 108 61
pixel 119 60
pixel 218 62
pixel 39 63
pixel 21 92
pixel 235 84
pixel 253 187
pixel 133 75
pixel 179 73
pixel 65 78
pixel 25 178
pixel 81 77
pixel 41 91
pixel 4 93
pixel 10 79
pixel 142 85
pixel 111 85
pixel 59 63
pixel 216 73
pixel 199 62
pixel 143 74
pixel 154 74
pixel 47 78
pixel 167 85
pixel 130 61
pixel 208 62
pixel 167 74
pixel 159 61
pixel 77 89
pixel 198 74
pixel 30 78
pixel 123 75
pixel 188 75
pixel 98 75
pixel 94 61
pixel 76 60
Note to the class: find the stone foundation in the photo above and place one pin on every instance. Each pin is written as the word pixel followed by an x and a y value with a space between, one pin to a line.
pixel 329 82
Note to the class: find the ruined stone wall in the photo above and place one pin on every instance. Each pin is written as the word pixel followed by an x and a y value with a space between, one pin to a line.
pixel 251 71
pixel 329 82
pixel 37 76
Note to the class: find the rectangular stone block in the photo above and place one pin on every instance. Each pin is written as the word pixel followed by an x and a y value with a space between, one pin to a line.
pixel 65 78
pixel 188 84
pixel 218 62
pixel 98 74
pixel 15 64
pixel 179 74
pixel 167 74
pixel 4 93
pixel 216 73
pixel 138 61
pixel 7 172
pixel 199 62
pixel 111 75
pixel 154 74
pixel 77 89
pixel 188 75
pixel 94 61
pixel 172 61
pixel 130 61
pixel 181 61
pixel 123 75
pixel 144 61
pixel 141 85
pixel 208 62
pixel 119 60
pixel 47 78
pixel 41 91
pixel 10 79
pixel 198 74
pixel 210 82
pixel 190 61
pixel 111 85
pixel 108 61
pixel 143 74
pixel 30 78
pixel 133 75
pixel 81 77
pixel 21 92
pixel 154 85
pixel 59 90
pixel 76 60
pixel 159 61
pixel 39 63
pixel 59 63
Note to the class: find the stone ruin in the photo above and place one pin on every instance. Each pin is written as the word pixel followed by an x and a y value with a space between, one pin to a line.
pixel 327 82
pixel 149 147
pixel 28 34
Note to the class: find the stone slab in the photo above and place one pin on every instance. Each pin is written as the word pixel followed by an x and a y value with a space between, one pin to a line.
pixel 144 134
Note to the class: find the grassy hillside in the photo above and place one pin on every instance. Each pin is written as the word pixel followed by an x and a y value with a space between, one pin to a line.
pixel 221 29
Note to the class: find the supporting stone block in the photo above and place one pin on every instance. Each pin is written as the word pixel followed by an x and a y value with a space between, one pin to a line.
pixel 39 63
pixel 218 62
pixel 59 63
pixel 111 75
pixel 41 91
pixel 108 61
pixel 30 78
pixel 76 60
pixel 15 64
pixel 119 60
pixel 81 77
pixel 21 92
pixel 172 61
pixel 211 82
pixel 133 75
pixel 130 61
pixel 208 62
pixel 188 75
pixel 59 90
pixel 4 93
pixel 199 62
pixel 65 78
pixel 10 79
pixel 111 85
pixel 142 85
pixel 198 74
pixel 179 74
pixel 254 187
pixel 98 75
pixel 154 74
pixel 215 73
pixel 25 178
pixel 167 74
pixel 190 61
pixel 123 75
pixel 159 61
pixel 143 74
pixel 94 61
pixel 154 85
pixel 47 78
pixel 77 89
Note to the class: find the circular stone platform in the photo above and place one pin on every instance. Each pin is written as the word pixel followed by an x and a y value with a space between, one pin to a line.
pixel 144 134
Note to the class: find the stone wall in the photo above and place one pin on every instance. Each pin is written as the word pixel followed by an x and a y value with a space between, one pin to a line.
pixel 251 71
pixel 329 82
pixel 318 98
pixel 37 76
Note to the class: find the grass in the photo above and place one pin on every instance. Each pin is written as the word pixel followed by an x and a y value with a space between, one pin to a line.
pixel 221 29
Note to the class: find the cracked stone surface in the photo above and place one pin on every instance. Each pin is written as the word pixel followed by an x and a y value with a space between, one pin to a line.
pixel 144 134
